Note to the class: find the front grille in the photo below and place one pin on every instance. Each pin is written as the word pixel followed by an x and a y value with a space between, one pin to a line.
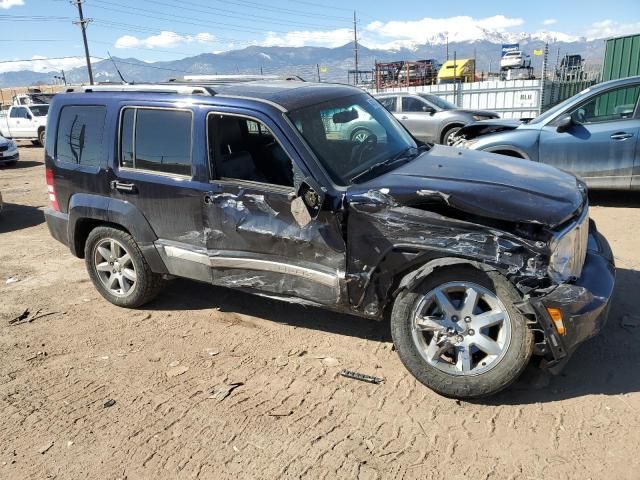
pixel 4 148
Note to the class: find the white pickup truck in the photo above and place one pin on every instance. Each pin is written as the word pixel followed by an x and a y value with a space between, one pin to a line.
pixel 24 122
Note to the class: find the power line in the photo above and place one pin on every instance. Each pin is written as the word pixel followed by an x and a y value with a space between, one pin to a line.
pixel 319 5
pixel 41 59
pixel 278 10
pixel 226 13
pixel 174 19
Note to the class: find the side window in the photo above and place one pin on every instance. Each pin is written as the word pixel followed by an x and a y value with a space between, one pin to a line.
pixel 618 104
pixel 412 104
pixel 158 140
pixel 389 103
pixel 80 134
pixel 19 112
pixel 245 149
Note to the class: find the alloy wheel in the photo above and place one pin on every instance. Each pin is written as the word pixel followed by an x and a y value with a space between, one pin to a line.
pixel 115 267
pixel 461 328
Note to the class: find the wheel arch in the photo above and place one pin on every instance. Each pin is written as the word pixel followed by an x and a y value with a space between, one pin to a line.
pixel 507 150
pixel 445 129
pixel 402 269
pixel 87 211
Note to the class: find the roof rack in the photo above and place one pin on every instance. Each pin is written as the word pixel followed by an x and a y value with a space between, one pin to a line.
pixel 142 87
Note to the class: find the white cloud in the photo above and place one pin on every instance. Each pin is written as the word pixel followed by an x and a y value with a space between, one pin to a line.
pixel 610 28
pixel 457 29
pixel 550 21
pixel 330 38
pixel 6 4
pixel 41 64
pixel 164 39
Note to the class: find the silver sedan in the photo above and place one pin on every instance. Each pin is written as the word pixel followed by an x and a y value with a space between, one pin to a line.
pixel 430 118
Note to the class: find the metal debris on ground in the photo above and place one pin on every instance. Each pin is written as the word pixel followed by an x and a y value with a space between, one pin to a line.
pixel 361 376
pixel 37 355
pixel 45 448
pixel 109 403
pixel 25 317
pixel 221 392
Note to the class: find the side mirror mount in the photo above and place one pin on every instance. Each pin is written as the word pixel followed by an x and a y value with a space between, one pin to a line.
pixel 308 202
pixel 564 124
pixel 429 110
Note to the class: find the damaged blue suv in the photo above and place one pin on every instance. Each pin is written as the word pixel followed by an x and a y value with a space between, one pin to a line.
pixel 479 261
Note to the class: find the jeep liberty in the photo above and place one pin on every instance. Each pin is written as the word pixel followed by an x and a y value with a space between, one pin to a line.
pixel 480 262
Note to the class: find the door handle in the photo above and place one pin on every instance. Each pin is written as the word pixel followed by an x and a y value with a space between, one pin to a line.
pixel 123 187
pixel 404 117
pixel 621 136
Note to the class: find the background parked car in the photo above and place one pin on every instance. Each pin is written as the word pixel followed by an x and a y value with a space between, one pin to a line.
pixel 593 134
pixel 26 122
pixel 8 152
pixel 430 118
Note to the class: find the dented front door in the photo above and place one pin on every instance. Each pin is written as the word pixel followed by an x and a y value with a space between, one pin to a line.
pixel 254 242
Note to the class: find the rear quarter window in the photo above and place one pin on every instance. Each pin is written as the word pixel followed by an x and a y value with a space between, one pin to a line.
pixel 80 134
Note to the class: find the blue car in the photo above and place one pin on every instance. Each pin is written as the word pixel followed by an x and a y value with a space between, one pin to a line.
pixel 593 135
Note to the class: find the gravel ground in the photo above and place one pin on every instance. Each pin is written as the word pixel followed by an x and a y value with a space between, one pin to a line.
pixel 171 368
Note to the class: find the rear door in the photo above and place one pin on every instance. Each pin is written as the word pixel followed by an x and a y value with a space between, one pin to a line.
pixel 253 240
pixel 601 145
pixel 156 172
pixel 417 116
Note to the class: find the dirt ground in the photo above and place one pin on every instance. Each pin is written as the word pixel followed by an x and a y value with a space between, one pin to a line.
pixel 292 416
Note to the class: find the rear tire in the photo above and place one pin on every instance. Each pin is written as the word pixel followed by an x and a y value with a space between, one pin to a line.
pixel 41 138
pixel 118 268
pixel 513 346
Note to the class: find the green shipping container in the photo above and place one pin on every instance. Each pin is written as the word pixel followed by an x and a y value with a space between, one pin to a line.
pixel 621 57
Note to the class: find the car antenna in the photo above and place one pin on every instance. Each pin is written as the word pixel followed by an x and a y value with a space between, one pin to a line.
pixel 117 69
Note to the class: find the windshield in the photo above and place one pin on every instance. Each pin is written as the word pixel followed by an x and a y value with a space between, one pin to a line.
pixel 351 135
pixel 39 110
pixel 438 102
pixel 558 108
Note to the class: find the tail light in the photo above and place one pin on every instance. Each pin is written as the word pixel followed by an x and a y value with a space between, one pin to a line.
pixel 51 188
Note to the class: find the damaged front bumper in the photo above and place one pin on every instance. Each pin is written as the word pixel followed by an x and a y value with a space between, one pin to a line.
pixel 584 304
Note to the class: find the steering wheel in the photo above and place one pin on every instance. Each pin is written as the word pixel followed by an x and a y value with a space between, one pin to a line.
pixel 367 144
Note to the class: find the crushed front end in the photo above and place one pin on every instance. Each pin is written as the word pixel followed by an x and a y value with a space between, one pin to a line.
pixel 570 313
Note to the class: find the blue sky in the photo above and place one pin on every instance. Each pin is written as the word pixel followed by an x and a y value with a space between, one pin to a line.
pixel 155 30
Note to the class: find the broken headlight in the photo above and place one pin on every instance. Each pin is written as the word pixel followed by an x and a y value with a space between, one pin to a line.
pixel 568 251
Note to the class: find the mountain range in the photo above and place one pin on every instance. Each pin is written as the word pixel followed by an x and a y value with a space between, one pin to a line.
pixel 332 64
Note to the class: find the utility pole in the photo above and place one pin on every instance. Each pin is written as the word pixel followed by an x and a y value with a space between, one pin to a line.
pixel 447 40
pixel 355 46
pixel 83 26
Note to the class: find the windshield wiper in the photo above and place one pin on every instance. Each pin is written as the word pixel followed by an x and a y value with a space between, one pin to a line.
pixel 400 156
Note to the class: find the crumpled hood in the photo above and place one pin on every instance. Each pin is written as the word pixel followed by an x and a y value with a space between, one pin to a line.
pixel 485 127
pixel 481 183
pixel 483 113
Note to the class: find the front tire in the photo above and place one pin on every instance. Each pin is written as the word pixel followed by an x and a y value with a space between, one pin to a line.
pixel 41 138
pixel 118 268
pixel 460 334
pixel 360 135
pixel 447 137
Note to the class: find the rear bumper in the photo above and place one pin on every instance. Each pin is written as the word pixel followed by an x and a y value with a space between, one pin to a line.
pixel 584 304
pixel 58 224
